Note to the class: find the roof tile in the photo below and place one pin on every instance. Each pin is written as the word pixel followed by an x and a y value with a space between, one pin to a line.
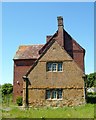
pixel 28 52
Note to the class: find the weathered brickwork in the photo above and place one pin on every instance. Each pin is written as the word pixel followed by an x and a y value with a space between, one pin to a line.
pixel 20 69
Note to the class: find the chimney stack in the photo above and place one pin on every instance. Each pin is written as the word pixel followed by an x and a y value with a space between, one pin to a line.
pixel 60 31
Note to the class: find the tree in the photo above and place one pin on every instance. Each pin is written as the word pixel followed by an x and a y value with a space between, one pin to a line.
pixel 91 80
pixel 7 88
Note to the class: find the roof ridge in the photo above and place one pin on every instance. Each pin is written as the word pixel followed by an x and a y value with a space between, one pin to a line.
pixel 32 45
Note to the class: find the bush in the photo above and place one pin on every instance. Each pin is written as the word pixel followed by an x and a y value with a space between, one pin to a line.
pixel 91 98
pixel 91 93
pixel 6 89
pixel 19 100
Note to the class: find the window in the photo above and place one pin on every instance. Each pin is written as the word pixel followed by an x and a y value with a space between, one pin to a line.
pixel 54 66
pixel 59 66
pixel 48 94
pixel 59 94
pixel 54 94
pixel 49 67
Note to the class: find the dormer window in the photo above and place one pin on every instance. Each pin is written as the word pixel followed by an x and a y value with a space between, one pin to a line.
pixel 54 66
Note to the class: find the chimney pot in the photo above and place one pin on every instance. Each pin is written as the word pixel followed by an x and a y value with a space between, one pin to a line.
pixel 60 21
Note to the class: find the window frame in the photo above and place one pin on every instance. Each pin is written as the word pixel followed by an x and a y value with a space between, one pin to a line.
pixel 54 69
pixel 47 94
pixel 61 67
pixel 54 92
pixel 50 68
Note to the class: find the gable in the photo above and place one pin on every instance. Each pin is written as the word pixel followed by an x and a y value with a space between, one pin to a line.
pixel 55 53
pixel 70 77
pixel 71 44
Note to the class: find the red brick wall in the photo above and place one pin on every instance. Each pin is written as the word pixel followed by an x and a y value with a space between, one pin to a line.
pixel 74 50
pixel 20 69
pixel 79 59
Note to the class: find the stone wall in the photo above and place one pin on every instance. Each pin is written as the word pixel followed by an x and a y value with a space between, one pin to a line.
pixel 69 79
pixel 70 97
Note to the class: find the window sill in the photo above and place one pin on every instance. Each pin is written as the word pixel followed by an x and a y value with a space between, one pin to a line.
pixel 54 99
pixel 55 71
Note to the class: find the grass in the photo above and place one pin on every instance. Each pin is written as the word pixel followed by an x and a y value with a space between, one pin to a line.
pixel 83 111
pixel 11 110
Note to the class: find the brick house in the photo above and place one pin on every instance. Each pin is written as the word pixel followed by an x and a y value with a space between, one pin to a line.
pixel 50 74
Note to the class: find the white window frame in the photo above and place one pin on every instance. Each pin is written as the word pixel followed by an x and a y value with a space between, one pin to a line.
pixel 54 69
pixel 52 92
pixel 50 67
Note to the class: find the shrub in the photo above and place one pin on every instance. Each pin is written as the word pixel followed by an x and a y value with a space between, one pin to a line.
pixel 6 89
pixel 19 100
pixel 91 94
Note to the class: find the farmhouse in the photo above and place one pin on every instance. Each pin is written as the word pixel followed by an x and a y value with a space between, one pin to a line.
pixel 50 74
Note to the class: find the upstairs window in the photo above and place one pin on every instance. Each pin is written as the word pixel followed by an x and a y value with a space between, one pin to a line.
pixel 59 66
pixel 54 66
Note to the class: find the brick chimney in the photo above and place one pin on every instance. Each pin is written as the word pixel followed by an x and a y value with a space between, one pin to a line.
pixel 60 39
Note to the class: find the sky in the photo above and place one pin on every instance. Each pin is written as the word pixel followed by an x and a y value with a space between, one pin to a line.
pixel 27 23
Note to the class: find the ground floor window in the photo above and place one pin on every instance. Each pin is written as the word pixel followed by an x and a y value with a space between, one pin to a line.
pixel 54 94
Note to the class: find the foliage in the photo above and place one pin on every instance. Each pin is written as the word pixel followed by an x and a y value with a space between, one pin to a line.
pixel 19 100
pixel 91 80
pixel 91 93
pixel 91 98
pixel 7 88
pixel 6 91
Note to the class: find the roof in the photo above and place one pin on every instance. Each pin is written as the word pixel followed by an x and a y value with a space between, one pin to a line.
pixel 34 51
pixel 71 44
pixel 43 52
pixel 92 89
pixel 28 52
pixel 52 38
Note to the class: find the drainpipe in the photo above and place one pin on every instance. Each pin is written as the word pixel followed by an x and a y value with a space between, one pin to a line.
pixel 26 91
pixel 85 86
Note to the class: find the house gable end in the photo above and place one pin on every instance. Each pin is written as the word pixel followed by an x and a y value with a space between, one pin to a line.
pixel 71 76
pixel 55 53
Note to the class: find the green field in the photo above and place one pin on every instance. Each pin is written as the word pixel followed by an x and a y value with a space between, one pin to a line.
pixel 10 110
pixel 83 111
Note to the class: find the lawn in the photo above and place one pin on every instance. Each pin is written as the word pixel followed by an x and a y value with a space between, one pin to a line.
pixel 83 111
pixel 10 110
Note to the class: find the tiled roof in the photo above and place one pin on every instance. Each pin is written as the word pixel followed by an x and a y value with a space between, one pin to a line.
pixel 34 51
pixel 28 52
